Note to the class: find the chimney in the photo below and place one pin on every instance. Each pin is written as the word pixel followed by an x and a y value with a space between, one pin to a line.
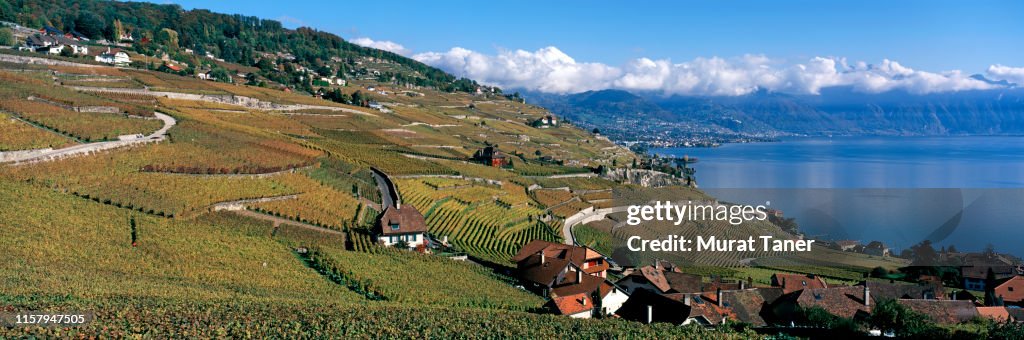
pixel 718 296
pixel 867 295
pixel 579 275
pixel 650 314
pixel 686 300
pixel 541 254
pixel 584 301
pixel 743 285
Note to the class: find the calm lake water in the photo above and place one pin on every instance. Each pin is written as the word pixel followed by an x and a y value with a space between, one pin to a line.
pixel 967 191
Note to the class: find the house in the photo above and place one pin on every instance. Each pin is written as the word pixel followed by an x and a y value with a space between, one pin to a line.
pixel 543 265
pixel 54 44
pixel 975 276
pixel 114 56
pixel 852 302
pixel 794 282
pixel 605 298
pixel 706 308
pixel 375 105
pixel 545 122
pixel 662 279
pixel 751 305
pixel 401 223
pixel 579 306
pixel 876 248
pixel 42 43
pixel 943 311
pixel 561 270
pixel 491 156
pixel 1011 290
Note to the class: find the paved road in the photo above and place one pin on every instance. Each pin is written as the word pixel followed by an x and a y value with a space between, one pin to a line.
pixel 594 215
pixel 28 156
pixel 382 186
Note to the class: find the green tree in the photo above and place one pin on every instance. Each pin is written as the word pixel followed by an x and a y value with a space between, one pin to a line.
pixel 6 37
pixel 90 24
pixel 7 11
pixel 167 37
pixel 889 315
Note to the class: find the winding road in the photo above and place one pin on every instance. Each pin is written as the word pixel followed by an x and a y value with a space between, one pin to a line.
pixel 40 155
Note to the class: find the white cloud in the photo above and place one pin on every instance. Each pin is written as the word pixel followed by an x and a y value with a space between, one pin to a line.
pixel 551 70
pixel 1011 74
pixel 386 45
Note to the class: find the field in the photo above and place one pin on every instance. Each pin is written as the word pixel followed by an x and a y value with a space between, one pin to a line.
pixel 18 135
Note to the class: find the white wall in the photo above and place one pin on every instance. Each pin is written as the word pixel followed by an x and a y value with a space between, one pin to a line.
pixel 613 301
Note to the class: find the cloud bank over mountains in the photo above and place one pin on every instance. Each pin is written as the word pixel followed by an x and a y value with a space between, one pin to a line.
pixel 551 70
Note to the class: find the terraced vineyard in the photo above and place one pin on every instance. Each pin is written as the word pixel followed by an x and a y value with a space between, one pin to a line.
pixel 85 126
pixel 19 135
pixel 440 281
pixel 474 219
pixel 552 197
pixel 318 204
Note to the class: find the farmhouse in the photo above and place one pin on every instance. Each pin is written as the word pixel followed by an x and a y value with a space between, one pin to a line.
pixel 401 223
pixel 491 156
pixel 114 56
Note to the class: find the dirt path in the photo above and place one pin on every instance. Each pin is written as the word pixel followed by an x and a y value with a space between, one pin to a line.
pixel 40 155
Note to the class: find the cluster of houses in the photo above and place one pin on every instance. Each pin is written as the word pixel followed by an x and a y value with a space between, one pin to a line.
pixel 874 248
pixel 577 282
pixel 50 40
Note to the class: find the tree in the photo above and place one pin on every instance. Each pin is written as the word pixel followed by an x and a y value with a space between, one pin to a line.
pixel 6 38
pixel 221 74
pixel 990 289
pixel 67 51
pixel 6 11
pixel 924 254
pixel 889 315
pixel 879 272
pixel 167 37
pixel 90 24
pixel 596 131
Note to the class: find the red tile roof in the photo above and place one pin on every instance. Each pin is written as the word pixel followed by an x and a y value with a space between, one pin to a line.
pixel 995 313
pixel 794 282
pixel 1011 289
pixel 573 304
pixel 846 301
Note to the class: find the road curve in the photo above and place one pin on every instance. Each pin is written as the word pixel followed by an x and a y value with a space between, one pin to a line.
pixel 40 155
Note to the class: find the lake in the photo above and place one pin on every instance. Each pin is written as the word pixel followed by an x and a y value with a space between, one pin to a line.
pixel 967 191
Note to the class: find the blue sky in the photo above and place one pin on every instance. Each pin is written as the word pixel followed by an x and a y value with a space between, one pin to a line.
pixel 923 35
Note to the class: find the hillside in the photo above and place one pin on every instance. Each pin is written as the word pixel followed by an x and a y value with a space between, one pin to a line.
pixel 839 111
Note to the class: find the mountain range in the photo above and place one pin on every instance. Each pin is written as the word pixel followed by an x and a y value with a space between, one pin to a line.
pixel 836 110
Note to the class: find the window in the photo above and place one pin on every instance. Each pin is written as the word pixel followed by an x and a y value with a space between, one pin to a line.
pixel 394 226
pixel 1010 288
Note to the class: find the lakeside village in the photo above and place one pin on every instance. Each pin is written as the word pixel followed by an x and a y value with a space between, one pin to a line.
pixel 945 285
